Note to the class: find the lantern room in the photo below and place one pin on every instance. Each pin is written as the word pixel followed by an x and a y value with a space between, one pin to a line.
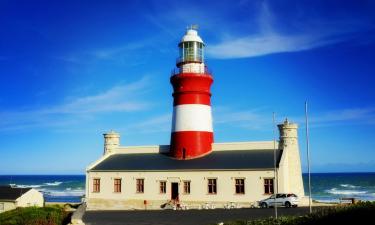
pixel 191 47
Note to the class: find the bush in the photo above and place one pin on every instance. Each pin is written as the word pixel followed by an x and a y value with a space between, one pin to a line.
pixel 350 214
pixel 35 216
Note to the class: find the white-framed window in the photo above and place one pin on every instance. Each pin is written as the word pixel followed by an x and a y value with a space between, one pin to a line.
pixel 240 185
pixel 140 188
pixel 117 185
pixel 163 187
pixel 268 186
pixel 187 187
pixel 212 186
pixel 96 185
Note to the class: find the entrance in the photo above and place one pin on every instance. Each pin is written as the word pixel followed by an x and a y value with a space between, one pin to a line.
pixel 174 192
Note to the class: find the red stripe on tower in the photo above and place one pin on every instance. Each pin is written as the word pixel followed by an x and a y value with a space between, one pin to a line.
pixel 192 133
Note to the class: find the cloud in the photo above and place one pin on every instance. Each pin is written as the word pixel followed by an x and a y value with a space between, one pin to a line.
pixel 154 124
pixel 365 115
pixel 255 119
pixel 120 98
pixel 270 41
pixel 132 53
pixel 260 119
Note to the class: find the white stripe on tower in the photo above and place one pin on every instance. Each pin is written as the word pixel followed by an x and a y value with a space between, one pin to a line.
pixel 192 117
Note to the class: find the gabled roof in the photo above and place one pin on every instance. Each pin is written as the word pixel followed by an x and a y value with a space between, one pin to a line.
pixel 12 193
pixel 216 160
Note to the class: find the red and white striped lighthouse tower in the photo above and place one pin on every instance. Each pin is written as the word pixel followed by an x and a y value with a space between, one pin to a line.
pixel 192 133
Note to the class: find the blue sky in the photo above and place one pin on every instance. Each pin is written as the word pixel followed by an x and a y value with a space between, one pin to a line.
pixel 72 70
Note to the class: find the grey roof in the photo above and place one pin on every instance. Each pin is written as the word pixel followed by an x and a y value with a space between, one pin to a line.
pixel 217 160
pixel 11 193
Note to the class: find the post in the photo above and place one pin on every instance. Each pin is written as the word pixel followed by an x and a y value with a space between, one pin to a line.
pixel 308 155
pixel 274 163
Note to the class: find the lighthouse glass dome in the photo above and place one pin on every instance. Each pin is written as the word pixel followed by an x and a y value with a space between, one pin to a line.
pixel 191 51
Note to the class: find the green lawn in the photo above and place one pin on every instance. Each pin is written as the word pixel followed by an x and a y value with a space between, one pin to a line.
pixel 51 215
pixel 360 213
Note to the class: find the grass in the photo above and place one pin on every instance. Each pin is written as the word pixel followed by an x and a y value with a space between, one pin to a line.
pixel 360 213
pixel 51 215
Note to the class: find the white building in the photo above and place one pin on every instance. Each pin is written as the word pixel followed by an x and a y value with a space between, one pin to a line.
pixel 193 170
pixel 13 197
pixel 241 172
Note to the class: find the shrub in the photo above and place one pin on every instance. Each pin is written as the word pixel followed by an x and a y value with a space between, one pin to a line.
pixel 350 214
pixel 35 216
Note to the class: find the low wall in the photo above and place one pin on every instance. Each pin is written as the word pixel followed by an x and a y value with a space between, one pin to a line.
pixel 106 204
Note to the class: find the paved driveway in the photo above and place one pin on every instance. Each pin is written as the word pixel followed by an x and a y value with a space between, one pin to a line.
pixel 182 217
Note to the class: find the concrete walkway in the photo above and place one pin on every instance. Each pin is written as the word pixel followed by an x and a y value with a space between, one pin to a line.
pixel 186 217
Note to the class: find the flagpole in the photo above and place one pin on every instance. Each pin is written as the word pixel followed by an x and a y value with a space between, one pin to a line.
pixel 274 163
pixel 308 155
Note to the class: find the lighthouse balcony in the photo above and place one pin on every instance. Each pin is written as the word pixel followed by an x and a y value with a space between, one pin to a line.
pixel 202 71
pixel 189 59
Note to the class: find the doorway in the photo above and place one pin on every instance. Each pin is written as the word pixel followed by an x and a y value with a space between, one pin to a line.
pixel 174 191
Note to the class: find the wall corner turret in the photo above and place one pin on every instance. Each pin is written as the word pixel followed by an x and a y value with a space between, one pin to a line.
pixel 290 165
pixel 111 142
pixel 288 134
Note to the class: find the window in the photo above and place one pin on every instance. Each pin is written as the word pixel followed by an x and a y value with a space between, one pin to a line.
pixel 117 185
pixel 96 185
pixel 268 186
pixel 240 186
pixel 163 187
pixel 140 185
pixel 188 51
pixel 212 186
pixel 186 187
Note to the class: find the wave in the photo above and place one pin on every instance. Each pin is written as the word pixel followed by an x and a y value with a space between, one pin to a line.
pixel 75 192
pixel 336 191
pixel 348 186
pixel 56 183
pixel 327 200
pixel 27 186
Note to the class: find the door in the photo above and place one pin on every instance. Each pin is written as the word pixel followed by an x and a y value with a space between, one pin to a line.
pixel 280 198
pixel 174 191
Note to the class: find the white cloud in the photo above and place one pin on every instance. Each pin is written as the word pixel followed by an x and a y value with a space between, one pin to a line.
pixel 155 124
pixel 260 119
pixel 365 115
pixel 121 98
pixel 247 119
pixel 118 98
pixel 270 41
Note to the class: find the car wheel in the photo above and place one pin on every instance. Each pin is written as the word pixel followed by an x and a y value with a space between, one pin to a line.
pixel 264 205
pixel 288 205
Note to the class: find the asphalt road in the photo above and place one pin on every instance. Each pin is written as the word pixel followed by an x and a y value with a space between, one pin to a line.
pixel 183 217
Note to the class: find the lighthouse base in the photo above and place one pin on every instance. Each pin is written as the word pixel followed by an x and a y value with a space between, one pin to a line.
pixel 191 144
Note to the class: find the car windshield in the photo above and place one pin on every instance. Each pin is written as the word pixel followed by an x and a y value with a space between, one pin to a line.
pixel 272 196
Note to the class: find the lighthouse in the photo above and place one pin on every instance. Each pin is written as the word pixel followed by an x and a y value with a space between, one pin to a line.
pixel 193 170
pixel 192 132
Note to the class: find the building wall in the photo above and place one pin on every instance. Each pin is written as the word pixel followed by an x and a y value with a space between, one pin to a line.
pixel 6 206
pixel 30 198
pixel 128 198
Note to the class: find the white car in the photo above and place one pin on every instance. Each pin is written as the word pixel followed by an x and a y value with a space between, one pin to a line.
pixel 287 200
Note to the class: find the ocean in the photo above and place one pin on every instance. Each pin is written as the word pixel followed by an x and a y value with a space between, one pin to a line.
pixel 326 187
pixel 56 188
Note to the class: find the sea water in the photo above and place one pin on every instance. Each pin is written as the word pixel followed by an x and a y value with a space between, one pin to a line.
pixel 55 188
pixel 331 187
pixel 326 187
